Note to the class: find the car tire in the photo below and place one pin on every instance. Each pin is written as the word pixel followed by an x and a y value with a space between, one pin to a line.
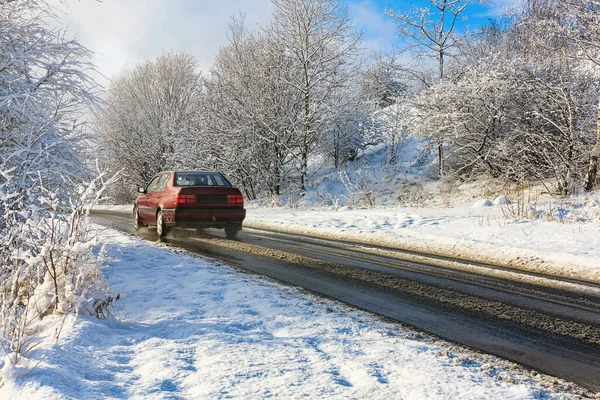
pixel 161 229
pixel 231 230
pixel 137 223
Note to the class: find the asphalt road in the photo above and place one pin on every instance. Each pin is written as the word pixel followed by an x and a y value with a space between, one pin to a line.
pixel 552 326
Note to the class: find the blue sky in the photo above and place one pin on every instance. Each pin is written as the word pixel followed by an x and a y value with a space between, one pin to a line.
pixel 380 31
pixel 125 33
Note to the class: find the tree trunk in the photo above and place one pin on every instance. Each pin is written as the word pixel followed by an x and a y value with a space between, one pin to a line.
pixel 440 158
pixel 568 181
pixel 590 177
pixel 303 171
pixel 277 168
pixel 304 165
pixel 336 155
pixel 441 77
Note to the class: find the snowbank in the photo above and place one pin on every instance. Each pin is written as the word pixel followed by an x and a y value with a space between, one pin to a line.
pixel 482 203
pixel 127 208
pixel 483 233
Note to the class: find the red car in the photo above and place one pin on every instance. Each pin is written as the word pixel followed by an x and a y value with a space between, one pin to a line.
pixel 189 199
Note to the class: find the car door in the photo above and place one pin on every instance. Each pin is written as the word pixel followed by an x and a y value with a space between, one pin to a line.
pixel 144 210
pixel 155 196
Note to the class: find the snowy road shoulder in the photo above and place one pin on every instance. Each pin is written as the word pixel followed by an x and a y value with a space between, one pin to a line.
pixel 569 250
pixel 195 329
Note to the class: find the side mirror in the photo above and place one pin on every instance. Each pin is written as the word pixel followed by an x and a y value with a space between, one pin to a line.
pixel 141 189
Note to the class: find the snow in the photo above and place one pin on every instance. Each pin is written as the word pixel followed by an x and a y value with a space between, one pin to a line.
pixel 400 205
pixel 192 328
pixel 551 246
pixel 482 203
pixel 501 201
pixel 127 208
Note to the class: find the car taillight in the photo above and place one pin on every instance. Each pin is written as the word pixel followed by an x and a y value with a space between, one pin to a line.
pixel 185 198
pixel 235 199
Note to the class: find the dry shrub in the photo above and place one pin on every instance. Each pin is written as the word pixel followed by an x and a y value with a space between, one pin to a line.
pixel 413 194
pixel 361 188
pixel 448 191
pixel 521 205
pixel 494 188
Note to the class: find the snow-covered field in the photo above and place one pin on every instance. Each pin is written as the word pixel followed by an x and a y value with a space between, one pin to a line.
pixel 192 328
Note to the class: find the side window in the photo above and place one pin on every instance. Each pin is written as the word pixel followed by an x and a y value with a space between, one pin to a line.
pixel 224 180
pixel 161 183
pixel 218 180
pixel 201 180
pixel 152 184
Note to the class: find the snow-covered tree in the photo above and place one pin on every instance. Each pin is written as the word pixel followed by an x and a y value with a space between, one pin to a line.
pixel 320 41
pixel 251 112
pixel 153 119
pixel 46 264
pixel 382 82
pixel 386 87
pixel 349 133
pixel 432 31
pixel 276 94
pixel 520 106
pixel 584 29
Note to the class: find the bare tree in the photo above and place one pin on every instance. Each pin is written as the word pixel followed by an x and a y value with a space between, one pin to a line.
pixel 584 24
pixel 319 38
pixel 153 118
pixel 382 82
pixel 433 33
pixel 349 132
pixel 384 90
pixel 251 112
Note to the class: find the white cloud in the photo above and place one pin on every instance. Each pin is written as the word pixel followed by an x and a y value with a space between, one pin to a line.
pixel 126 32
pixel 380 31
pixel 497 7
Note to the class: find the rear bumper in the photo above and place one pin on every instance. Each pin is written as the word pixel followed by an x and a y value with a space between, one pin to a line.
pixel 203 218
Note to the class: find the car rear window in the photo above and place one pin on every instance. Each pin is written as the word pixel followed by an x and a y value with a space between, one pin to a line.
pixel 200 179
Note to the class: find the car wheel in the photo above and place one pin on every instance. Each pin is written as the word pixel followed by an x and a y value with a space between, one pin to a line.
pixel 161 229
pixel 232 230
pixel 136 219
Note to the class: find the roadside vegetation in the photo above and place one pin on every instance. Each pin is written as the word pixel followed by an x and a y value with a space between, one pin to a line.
pixel 47 184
